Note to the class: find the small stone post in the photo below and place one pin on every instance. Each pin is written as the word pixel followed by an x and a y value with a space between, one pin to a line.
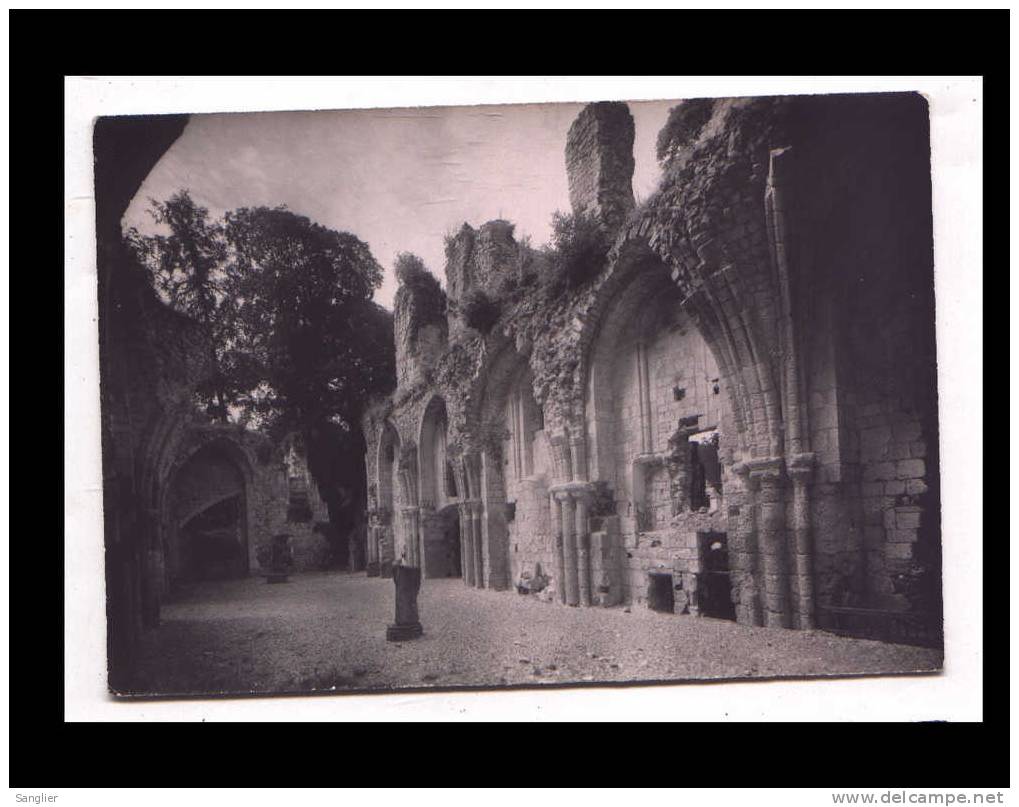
pixel 407 625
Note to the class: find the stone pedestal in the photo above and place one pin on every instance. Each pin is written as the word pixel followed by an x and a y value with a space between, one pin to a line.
pixel 407 625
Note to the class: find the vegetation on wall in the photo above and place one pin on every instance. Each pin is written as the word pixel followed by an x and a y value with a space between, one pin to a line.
pixel 686 121
pixel 577 254
pixel 429 297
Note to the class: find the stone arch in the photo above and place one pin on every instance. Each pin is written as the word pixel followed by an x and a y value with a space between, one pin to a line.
pixel 213 473
pixel 652 382
pixel 436 485
pixel 640 271
pixel 513 462
pixel 387 470
pixel 152 460
pixel 722 237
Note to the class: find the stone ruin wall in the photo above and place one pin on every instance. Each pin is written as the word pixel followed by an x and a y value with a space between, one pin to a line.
pixel 245 462
pixel 799 314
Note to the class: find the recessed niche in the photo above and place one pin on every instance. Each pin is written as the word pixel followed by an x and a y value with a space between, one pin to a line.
pixel 660 595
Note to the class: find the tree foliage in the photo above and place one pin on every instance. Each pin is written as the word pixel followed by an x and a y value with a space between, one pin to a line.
pixel 296 341
pixel 413 275
pixel 187 265
pixel 577 253
pixel 303 311
pixel 685 122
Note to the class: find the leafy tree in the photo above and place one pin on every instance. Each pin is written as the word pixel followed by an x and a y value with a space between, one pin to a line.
pixel 187 266
pixel 304 313
pixel 298 343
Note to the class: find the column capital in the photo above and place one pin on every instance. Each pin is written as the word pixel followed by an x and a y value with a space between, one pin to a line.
pixel 801 466
pixel 566 490
pixel 766 469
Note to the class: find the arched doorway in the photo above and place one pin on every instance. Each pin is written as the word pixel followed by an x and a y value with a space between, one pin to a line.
pixel 442 547
pixel 208 507
pixel 661 436
pixel 386 485
pixel 440 497
pixel 513 480
pixel 437 484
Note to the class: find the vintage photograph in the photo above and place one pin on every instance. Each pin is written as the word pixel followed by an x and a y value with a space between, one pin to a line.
pixel 518 395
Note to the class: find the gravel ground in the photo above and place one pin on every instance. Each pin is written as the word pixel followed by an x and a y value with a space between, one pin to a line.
pixel 326 630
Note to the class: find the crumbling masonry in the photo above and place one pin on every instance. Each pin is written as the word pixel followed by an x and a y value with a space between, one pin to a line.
pixel 736 417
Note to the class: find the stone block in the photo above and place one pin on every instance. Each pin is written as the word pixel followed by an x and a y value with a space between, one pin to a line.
pixel 907 518
pixel 907 431
pixel 910 469
pixel 881 471
pixel 899 551
pixel 901 536
pixel 899 451
pixel 914 487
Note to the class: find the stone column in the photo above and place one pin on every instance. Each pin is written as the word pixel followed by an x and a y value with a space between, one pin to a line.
pixel 467 531
pixel 387 545
pixel 479 568
pixel 743 544
pixel 578 457
pixel 560 560
pixel 644 399
pixel 414 538
pixel 800 470
pixel 583 549
pixel 571 581
pixel 771 539
pixel 372 565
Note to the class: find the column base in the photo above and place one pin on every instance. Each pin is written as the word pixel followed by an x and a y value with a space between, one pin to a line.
pixel 401 633
pixel 372 569
pixel 386 569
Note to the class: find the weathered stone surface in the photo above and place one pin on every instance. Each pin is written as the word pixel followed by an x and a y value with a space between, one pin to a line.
pixel 736 300
pixel 599 162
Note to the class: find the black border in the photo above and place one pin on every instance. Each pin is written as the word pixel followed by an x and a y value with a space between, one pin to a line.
pixel 45 750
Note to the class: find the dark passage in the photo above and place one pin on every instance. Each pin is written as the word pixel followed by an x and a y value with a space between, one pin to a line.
pixel 715 587
pixel 453 549
pixel 660 596
pixel 213 546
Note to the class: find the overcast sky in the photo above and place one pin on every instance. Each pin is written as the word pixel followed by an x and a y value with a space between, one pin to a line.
pixel 398 179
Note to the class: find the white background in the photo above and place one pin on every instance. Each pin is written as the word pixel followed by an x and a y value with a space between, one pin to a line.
pixel 956 112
